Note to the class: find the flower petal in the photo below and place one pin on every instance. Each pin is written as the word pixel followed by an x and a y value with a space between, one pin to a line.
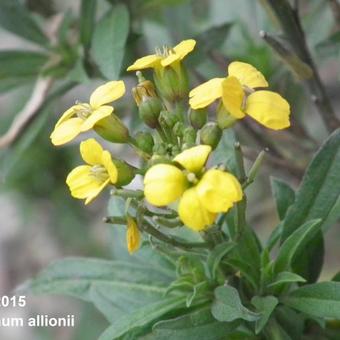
pixel 69 113
pixel 269 109
pixel 66 131
pixel 219 190
pixel 247 74
pixel 180 51
pixel 107 93
pixel 194 159
pixel 91 151
pixel 96 116
pixel 83 184
pixel 163 184
pixel 132 235
pixel 204 94
pixel 192 211
pixel 109 166
pixel 232 96
pixel 152 60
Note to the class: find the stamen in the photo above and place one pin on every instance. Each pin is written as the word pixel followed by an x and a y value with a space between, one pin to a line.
pixel 192 178
pixel 84 111
pixel 99 172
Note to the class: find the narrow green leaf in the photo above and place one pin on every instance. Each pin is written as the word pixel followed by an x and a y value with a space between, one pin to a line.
pixel 15 18
pixel 216 255
pixel 265 305
pixel 109 39
pixel 142 317
pixel 284 196
pixel 286 277
pixel 227 306
pixel 199 324
pixel 296 241
pixel 290 320
pixel 87 21
pixel 320 187
pixel 319 299
pixel 21 63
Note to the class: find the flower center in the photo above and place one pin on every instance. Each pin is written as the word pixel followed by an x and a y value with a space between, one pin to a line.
pixel 191 177
pixel 99 172
pixel 165 51
pixel 84 111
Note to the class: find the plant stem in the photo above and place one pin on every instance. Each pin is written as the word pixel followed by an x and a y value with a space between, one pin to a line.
pixel 289 21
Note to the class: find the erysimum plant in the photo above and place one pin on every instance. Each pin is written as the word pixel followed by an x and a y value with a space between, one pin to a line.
pixel 199 270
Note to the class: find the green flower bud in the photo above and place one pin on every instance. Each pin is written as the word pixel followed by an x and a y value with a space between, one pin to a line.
pixel 160 149
pixel 126 172
pixel 198 118
pixel 189 136
pixel 145 141
pixel 210 134
pixel 157 159
pixel 167 119
pixel 149 110
pixel 172 82
pixel 112 129
pixel 178 129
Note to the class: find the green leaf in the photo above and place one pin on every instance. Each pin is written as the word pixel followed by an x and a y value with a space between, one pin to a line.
pixel 286 277
pixel 216 255
pixel 265 305
pixel 214 37
pixel 336 277
pixel 21 63
pixel 87 21
pixel 319 299
pixel 284 196
pixel 142 317
pixel 227 306
pixel 320 187
pixel 290 320
pixel 199 324
pixel 109 39
pixel 115 287
pixel 15 18
pixel 294 243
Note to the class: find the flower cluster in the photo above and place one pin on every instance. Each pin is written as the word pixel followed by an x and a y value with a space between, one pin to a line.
pixel 175 146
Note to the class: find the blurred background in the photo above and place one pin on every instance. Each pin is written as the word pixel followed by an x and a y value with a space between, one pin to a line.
pixel 53 53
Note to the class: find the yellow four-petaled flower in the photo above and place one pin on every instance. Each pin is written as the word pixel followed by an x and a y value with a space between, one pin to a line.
pixel 83 117
pixel 239 97
pixel 87 181
pixel 201 194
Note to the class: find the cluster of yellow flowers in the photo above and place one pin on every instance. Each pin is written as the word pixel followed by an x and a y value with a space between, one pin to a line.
pixel 178 172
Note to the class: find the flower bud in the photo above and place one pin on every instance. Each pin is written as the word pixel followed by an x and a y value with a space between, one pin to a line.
pixel 178 129
pixel 168 119
pixel 145 141
pixel 198 118
pixel 210 134
pixel 160 149
pixel 133 237
pixel 149 110
pixel 112 129
pixel 144 89
pixel 189 136
pixel 126 172
pixel 173 82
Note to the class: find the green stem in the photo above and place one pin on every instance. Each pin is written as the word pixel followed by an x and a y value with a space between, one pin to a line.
pixel 125 193
pixel 115 220
pixel 239 162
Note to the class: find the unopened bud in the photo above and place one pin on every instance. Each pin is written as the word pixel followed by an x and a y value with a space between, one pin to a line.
pixel 149 111
pixel 198 118
pixel 189 136
pixel 178 129
pixel 210 135
pixel 167 119
pixel 145 141
pixel 112 129
pixel 145 89
pixel 160 149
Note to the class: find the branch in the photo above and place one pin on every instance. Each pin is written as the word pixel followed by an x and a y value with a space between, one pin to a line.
pixel 291 26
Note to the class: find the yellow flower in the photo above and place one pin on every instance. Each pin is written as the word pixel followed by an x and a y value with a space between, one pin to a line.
pixel 84 116
pixel 132 235
pixel 238 95
pixel 201 194
pixel 164 58
pixel 87 181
